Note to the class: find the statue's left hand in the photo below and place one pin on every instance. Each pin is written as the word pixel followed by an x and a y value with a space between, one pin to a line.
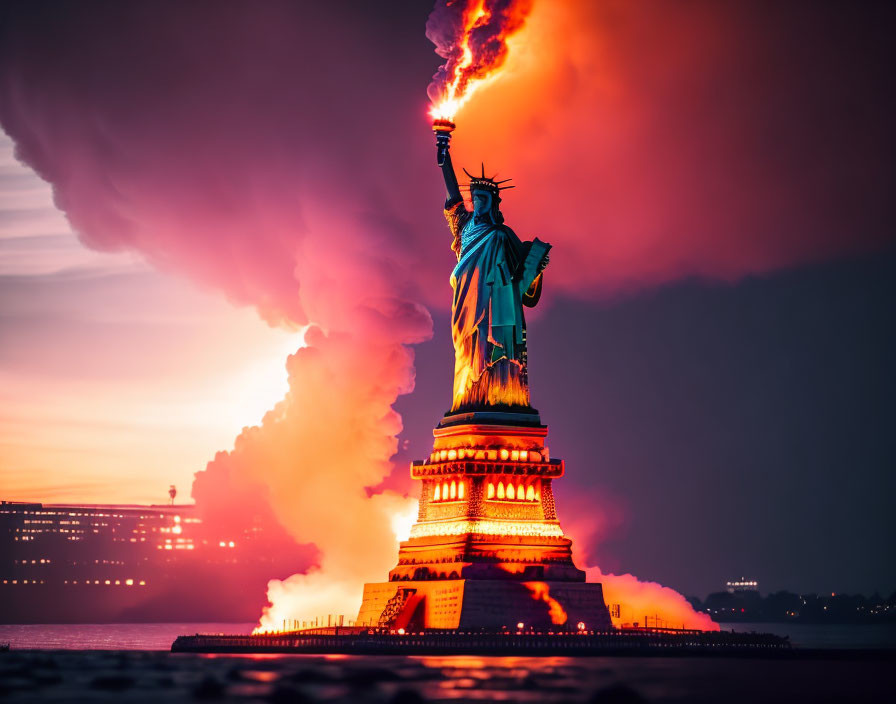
pixel 544 262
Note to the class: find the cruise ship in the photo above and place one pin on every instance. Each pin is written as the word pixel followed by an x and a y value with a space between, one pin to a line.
pixel 66 563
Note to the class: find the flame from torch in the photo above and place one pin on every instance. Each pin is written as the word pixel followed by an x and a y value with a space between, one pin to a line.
pixel 472 35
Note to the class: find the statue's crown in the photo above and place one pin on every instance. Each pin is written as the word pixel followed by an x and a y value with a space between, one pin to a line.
pixel 485 182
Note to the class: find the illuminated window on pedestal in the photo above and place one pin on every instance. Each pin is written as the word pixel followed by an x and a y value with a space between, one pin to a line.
pixel 454 491
pixel 511 492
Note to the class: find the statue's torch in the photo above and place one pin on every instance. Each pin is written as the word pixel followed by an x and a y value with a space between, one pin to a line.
pixel 442 128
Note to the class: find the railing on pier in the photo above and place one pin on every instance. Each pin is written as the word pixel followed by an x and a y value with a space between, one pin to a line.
pixel 379 641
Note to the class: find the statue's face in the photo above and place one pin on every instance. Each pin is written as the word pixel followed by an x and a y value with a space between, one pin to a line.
pixel 482 201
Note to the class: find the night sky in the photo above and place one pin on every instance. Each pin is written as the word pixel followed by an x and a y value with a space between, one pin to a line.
pixel 713 351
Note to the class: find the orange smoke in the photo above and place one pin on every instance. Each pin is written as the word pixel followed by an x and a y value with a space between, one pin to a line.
pixel 472 36
pixel 542 592
pixel 321 450
pixel 589 521
pixel 363 538
pixel 632 130
pixel 633 602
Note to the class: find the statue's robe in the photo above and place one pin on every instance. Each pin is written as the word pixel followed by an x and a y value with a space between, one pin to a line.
pixel 496 275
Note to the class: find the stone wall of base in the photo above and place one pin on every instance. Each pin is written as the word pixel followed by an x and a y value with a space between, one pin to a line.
pixel 472 604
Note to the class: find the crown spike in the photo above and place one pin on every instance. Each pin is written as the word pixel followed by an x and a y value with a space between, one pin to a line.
pixel 486 182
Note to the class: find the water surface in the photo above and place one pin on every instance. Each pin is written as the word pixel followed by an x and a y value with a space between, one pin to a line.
pixel 108 636
pixel 154 676
pixel 810 635
pixel 131 663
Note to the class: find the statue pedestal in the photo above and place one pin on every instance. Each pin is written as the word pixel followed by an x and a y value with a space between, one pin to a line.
pixel 487 549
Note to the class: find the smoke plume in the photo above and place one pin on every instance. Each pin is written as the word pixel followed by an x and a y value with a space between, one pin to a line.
pixel 648 603
pixel 662 140
pixel 591 521
pixel 472 36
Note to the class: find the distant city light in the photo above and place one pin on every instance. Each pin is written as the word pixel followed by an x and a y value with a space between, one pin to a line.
pixel 742 585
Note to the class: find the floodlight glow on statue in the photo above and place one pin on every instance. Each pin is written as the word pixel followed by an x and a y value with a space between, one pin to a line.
pixel 496 275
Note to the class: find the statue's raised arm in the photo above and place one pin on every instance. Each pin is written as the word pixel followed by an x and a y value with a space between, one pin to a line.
pixel 442 130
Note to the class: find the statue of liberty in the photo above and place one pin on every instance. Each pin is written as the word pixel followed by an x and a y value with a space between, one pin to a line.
pixel 495 276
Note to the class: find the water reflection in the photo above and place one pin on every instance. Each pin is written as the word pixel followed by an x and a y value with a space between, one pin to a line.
pixel 172 678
